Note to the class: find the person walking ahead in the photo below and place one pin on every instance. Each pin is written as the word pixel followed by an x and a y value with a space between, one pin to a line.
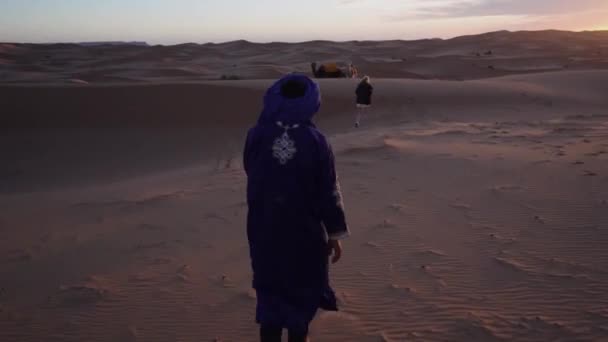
pixel 364 98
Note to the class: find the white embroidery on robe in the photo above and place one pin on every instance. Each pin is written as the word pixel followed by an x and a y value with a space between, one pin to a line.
pixel 284 148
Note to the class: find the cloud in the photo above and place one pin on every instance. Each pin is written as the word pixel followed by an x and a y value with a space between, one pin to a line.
pixel 478 8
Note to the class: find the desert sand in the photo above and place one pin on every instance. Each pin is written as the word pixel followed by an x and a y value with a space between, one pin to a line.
pixel 477 197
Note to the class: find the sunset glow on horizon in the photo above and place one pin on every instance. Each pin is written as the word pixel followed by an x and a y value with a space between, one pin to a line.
pixel 168 22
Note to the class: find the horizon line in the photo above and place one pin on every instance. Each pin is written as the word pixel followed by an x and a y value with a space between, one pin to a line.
pixel 134 42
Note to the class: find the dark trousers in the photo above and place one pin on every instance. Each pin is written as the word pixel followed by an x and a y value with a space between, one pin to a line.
pixel 272 334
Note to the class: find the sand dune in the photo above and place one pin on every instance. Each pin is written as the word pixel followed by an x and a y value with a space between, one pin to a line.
pixel 472 57
pixel 479 208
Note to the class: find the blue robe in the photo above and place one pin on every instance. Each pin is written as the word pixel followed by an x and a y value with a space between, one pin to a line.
pixel 295 204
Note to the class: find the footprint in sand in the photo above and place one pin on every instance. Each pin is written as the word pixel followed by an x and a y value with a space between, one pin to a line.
pixel 501 239
pixel 465 209
pixel 540 323
pixel 183 273
pixel 433 253
pixel 397 207
pixel 386 223
pixel 428 272
pixel 224 281
pixel 402 289
pixel 215 216
pixel 461 206
pixel 510 264
pixel 427 257
pixel 373 244
pixel 81 294
pixel 20 255
pixel 182 278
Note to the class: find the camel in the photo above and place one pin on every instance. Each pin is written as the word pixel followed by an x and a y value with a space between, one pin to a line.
pixel 328 70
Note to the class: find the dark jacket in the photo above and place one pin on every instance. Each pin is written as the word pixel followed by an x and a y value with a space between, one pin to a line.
pixel 364 93
pixel 294 199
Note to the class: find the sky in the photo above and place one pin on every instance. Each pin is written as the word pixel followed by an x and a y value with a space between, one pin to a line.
pixel 200 21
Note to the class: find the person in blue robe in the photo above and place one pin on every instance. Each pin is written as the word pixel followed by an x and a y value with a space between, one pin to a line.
pixel 295 216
